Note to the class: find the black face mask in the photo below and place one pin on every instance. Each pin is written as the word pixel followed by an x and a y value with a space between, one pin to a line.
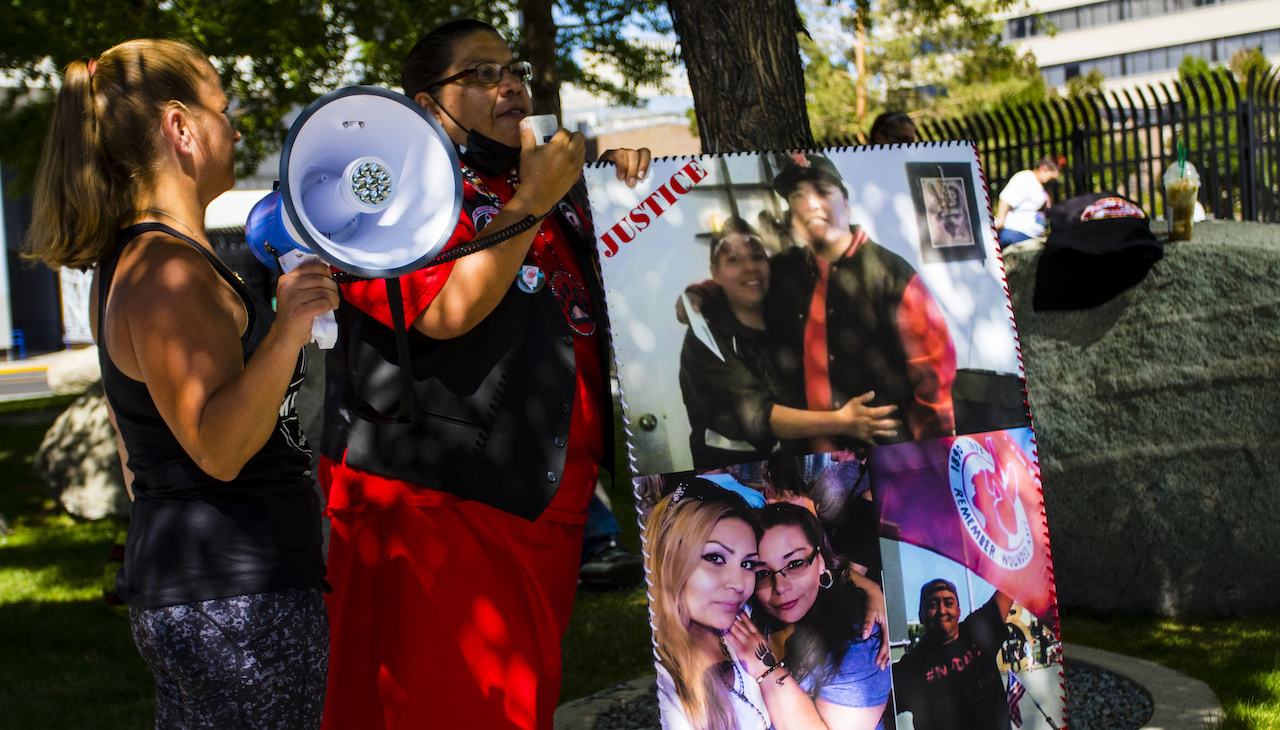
pixel 488 155
pixel 485 154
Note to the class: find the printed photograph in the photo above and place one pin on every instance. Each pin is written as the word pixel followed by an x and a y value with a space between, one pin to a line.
pixel 787 304
pixel 811 392
pixel 968 580
pixel 765 595
pixel 947 212
pixel 965 653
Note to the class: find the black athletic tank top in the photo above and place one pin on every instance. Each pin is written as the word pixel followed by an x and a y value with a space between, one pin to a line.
pixel 192 537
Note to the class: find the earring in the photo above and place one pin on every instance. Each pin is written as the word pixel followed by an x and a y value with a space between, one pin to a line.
pixel 826 580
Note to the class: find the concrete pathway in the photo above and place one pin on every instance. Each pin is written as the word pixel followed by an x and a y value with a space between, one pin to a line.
pixel 1181 703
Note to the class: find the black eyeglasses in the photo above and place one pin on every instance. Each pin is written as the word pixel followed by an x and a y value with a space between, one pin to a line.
pixel 799 565
pixel 490 73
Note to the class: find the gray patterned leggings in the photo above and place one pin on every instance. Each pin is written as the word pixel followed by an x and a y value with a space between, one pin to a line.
pixel 255 661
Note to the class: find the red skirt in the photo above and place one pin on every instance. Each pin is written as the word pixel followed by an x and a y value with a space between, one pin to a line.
pixel 446 613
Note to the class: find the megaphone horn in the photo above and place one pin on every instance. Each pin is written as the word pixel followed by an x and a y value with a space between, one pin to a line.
pixel 370 182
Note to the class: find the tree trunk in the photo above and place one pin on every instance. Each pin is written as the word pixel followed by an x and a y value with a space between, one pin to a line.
pixel 539 48
pixel 743 60
pixel 860 62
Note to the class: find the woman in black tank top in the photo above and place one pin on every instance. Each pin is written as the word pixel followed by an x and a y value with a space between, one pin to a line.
pixel 222 567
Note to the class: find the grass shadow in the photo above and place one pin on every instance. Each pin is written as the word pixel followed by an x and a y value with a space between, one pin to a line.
pixel 72 665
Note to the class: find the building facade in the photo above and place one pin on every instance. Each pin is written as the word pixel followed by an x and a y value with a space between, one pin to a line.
pixel 1138 42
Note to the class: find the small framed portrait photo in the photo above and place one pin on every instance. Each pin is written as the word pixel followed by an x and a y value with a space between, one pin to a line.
pixel 946 203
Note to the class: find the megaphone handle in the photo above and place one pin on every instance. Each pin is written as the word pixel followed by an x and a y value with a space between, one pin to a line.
pixel 324 328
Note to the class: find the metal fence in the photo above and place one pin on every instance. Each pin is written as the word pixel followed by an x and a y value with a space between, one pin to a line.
pixel 1124 140
pixel 231 247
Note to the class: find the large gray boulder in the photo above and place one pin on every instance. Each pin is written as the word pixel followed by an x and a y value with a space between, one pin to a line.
pixel 78 462
pixel 1156 421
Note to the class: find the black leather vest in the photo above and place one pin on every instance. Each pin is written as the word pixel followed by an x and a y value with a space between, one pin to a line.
pixel 492 407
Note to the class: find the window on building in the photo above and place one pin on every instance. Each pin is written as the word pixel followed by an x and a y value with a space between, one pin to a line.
pixel 1137 9
pixel 1164 59
pixel 1271 42
pixel 1159 59
pixel 1104 13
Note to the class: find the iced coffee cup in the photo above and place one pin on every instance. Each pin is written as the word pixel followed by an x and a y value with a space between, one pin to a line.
pixel 1181 186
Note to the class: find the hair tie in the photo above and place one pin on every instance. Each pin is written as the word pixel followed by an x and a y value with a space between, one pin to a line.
pixel 93 65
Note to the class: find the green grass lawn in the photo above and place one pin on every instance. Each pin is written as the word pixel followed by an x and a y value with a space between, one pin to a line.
pixel 1238 658
pixel 67 661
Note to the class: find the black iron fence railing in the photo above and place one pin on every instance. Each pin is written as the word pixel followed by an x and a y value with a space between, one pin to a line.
pixel 1124 140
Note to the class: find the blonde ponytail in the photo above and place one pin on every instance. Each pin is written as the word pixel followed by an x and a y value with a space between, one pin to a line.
pixel 101 150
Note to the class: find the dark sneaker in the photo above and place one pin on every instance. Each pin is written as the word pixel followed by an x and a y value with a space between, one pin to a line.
pixel 612 569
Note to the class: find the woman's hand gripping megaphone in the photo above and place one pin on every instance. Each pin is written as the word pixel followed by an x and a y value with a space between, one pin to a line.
pixel 272 243
pixel 305 292
pixel 324 327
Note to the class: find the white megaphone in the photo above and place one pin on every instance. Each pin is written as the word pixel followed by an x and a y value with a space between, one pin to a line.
pixel 369 183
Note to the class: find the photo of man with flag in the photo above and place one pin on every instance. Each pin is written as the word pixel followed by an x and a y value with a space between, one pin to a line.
pixel 963 519
pixel 951 679
pixel 976 500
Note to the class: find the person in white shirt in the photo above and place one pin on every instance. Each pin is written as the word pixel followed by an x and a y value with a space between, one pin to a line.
pixel 1023 203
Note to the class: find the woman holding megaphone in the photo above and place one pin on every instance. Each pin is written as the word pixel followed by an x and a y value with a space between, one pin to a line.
pixel 456 537
pixel 222 569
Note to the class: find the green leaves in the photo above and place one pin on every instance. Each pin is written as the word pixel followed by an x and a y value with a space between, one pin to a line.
pixel 276 56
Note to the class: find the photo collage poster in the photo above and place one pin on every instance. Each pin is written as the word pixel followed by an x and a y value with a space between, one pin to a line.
pixel 833 462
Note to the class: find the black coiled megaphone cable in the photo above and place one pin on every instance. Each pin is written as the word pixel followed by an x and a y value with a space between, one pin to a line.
pixel 465 249
pixel 404 414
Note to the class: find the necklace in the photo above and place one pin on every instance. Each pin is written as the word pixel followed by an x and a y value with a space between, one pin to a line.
pixel 157 211
pixel 735 690
pixel 189 230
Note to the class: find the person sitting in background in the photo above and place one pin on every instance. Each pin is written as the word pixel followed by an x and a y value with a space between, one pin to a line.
pixel 892 128
pixel 1024 203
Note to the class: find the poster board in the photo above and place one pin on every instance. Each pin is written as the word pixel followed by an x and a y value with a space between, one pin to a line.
pixel 759 304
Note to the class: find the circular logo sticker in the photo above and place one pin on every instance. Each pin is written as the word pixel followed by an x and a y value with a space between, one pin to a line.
pixel 530 279
pixel 986 497
pixel 483 215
